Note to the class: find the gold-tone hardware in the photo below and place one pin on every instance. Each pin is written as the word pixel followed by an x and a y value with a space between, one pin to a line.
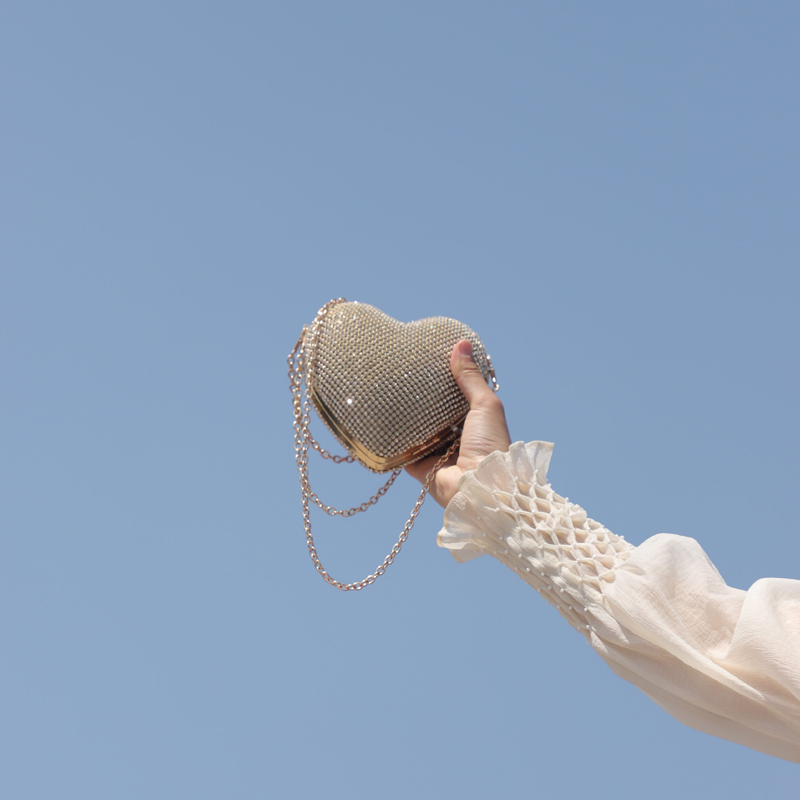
pixel 369 459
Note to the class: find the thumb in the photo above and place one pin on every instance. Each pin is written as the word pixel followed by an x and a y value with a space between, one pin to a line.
pixel 467 375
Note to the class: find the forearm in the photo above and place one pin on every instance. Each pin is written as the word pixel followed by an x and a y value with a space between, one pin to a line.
pixel 507 509
pixel 660 615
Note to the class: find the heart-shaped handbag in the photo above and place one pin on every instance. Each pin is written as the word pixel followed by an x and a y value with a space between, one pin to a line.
pixel 385 390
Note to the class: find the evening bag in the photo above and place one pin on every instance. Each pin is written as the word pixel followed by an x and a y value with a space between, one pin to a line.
pixel 385 390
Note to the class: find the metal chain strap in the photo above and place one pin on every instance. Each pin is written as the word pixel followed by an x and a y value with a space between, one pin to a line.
pixel 300 372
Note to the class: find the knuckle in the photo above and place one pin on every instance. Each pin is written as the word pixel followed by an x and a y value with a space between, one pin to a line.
pixel 490 402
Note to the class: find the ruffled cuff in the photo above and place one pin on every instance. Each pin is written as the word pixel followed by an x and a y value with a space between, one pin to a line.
pixel 475 505
pixel 506 508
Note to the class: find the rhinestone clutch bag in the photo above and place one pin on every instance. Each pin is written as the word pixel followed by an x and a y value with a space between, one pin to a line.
pixel 385 390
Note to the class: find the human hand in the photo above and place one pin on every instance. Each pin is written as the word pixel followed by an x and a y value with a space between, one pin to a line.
pixel 485 428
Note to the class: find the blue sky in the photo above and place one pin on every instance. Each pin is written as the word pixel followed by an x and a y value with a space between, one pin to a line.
pixel 607 193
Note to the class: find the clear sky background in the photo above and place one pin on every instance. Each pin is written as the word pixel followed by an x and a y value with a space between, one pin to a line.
pixel 608 193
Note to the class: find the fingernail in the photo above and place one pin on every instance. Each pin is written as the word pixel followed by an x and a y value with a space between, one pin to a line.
pixel 465 348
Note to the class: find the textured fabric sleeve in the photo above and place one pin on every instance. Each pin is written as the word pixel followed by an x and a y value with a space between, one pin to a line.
pixel 721 660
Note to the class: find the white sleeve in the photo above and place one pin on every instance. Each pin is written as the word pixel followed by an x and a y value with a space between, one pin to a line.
pixel 721 660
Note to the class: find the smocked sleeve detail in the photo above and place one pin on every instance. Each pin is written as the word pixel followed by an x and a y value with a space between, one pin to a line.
pixel 506 508
pixel 718 659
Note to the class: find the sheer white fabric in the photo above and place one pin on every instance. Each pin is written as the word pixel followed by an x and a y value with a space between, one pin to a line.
pixel 718 659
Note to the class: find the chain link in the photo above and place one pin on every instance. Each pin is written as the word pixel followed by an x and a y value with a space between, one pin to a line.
pixel 300 372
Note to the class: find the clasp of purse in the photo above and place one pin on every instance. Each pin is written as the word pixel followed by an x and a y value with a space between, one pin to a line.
pixel 385 390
